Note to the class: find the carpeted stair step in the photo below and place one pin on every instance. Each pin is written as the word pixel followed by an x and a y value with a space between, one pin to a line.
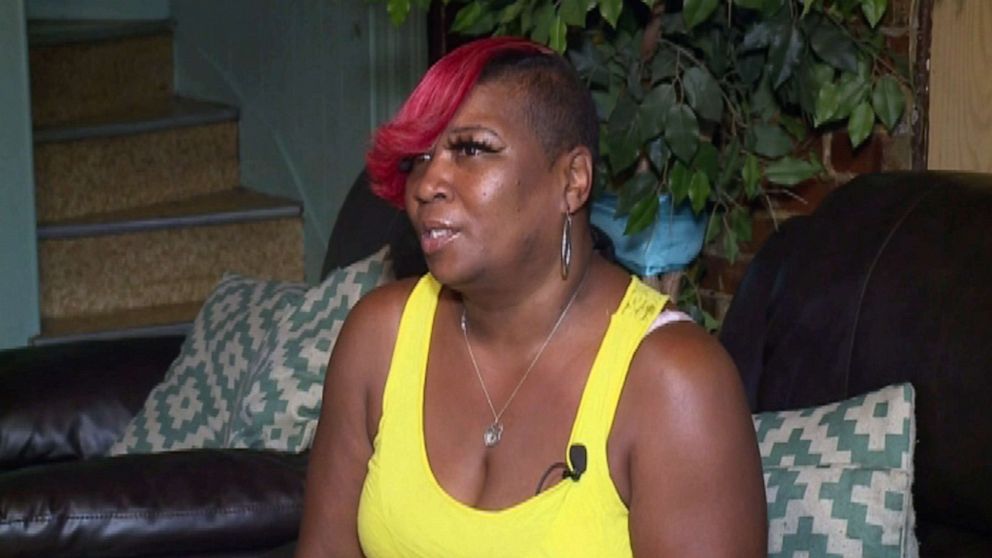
pixel 160 151
pixel 87 69
pixel 170 255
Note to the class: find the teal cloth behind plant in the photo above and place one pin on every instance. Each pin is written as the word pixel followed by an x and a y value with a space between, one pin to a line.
pixel 670 243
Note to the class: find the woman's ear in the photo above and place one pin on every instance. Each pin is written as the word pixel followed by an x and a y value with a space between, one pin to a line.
pixel 578 172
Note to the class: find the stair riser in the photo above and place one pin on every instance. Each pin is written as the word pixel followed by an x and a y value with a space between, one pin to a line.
pixel 108 273
pixel 84 80
pixel 107 174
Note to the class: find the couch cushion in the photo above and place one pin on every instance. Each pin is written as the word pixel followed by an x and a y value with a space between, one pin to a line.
pixel 192 407
pixel 838 477
pixel 49 409
pixel 177 503
pixel 286 379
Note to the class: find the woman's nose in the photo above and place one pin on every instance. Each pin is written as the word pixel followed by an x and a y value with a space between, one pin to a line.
pixel 429 179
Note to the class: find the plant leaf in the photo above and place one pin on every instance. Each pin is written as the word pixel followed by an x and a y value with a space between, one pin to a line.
pixel 398 10
pixel 707 159
pixel 511 12
pixel 663 65
pixel 473 19
pixel 750 4
pixel 658 153
pixel 757 36
pixel 623 134
pixel 704 93
pixel 610 10
pixel 873 10
pixel 835 101
pixel 860 124
pixel 544 17
pixel 750 66
pixel 678 182
pixel 573 12
pixel 827 101
pixel 731 247
pixel 557 35
pixel 831 44
pixel 605 101
pixel 740 222
pixel 789 171
pixel 695 12
pixel 682 131
pixel 888 101
pixel 783 54
pixel 590 64
pixel 853 89
pixel 642 215
pixel 796 127
pixel 770 140
pixel 751 173
pixel 699 191
pixel 729 164
pixel 655 107
pixel 634 190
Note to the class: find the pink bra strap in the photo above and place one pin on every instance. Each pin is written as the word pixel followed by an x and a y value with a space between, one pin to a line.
pixel 666 317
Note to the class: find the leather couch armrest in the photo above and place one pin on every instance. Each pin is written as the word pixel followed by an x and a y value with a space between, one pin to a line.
pixel 73 401
pixel 176 503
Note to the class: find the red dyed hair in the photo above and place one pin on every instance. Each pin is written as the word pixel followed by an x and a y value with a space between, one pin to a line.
pixel 430 108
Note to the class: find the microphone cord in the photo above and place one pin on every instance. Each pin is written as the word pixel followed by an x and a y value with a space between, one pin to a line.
pixel 559 465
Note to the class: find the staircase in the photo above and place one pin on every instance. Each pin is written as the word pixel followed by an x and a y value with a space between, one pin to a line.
pixel 137 193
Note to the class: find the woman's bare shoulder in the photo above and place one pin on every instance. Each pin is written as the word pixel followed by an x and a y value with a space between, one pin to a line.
pixel 699 457
pixel 682 354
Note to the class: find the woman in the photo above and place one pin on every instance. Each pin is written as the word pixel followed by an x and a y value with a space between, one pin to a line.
pixel 526 398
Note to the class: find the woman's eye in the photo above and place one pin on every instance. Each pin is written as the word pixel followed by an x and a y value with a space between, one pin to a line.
pixel 471 148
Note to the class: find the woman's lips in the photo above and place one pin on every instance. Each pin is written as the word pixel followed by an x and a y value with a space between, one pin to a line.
pixel 434 239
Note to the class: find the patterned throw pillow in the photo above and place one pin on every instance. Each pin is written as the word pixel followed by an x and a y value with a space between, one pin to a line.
pixel 193 405
pixel 838 478
pixel 282 404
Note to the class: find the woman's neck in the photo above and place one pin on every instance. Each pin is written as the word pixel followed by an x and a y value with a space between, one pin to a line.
pixel 524 311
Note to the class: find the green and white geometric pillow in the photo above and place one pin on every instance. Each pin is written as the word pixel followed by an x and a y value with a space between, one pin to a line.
pixel 838 478
pixel 193 405
pixel 282 404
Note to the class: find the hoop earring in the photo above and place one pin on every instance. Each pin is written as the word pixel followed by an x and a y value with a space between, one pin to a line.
pixel 566 245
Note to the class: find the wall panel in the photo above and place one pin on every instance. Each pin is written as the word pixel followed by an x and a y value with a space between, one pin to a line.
pixel 961 86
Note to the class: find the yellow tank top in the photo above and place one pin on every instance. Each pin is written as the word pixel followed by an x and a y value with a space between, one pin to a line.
pixel 404 512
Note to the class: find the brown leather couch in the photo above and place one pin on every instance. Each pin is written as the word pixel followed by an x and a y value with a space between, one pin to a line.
pixel 890 280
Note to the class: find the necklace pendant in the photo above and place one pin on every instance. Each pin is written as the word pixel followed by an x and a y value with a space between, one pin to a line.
pixel 493 434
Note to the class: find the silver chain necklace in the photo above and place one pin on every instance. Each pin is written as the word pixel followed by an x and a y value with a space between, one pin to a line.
pixel 494 432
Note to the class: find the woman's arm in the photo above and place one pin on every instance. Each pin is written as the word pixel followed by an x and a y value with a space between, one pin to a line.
pixel 696 485
pixel 343 441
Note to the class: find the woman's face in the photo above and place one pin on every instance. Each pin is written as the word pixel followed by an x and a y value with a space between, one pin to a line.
pixel 485 200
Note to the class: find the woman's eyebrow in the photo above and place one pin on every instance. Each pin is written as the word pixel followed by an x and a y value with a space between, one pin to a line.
pixel 473 128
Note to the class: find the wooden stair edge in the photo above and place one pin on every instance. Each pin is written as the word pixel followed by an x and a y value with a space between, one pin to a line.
pixel 237 205
pixel 178 112
pixel 58 32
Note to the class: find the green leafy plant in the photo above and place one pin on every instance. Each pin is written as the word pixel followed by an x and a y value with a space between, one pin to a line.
pixel 715 102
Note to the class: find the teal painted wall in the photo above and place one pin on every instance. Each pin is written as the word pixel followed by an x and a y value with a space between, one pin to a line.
pixel 312 78
pixel 19 318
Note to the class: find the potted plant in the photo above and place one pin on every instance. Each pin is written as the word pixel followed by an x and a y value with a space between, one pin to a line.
pixel 708 106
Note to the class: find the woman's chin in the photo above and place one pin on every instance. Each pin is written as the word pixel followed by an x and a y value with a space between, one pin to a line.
pixel 450 272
